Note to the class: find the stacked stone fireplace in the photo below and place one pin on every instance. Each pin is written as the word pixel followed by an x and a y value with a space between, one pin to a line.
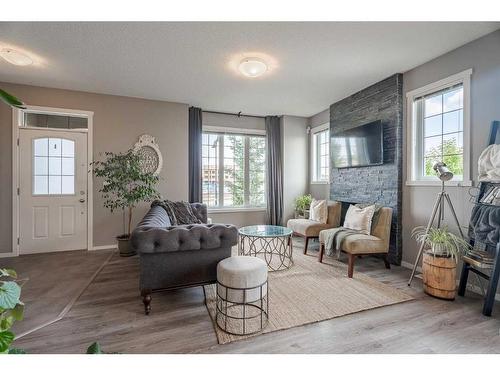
pixel 380 184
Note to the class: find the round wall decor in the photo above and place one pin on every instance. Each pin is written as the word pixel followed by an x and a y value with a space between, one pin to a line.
pixel 152 159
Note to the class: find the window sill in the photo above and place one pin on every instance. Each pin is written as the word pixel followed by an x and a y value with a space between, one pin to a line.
pixel 438 183
pixel 227 210
pixel 320 182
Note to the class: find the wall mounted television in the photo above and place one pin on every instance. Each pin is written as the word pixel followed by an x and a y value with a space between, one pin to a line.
pixel 358 147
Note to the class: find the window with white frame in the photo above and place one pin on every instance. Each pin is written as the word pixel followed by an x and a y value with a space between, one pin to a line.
pixel 233 170
pixel 320 154
pixel 439 129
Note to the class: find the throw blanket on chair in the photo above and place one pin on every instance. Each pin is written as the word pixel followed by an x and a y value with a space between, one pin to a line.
pixel 333 238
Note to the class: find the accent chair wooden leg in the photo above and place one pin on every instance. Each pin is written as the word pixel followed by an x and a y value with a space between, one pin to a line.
pixel 321 252
pixel 350 266
pixel 386 262
pixel 305 246
pixel 146 300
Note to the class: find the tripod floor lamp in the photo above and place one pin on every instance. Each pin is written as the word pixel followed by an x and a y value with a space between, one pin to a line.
pixel 443 174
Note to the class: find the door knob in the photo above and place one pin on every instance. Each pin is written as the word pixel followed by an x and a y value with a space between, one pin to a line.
pixel 82 200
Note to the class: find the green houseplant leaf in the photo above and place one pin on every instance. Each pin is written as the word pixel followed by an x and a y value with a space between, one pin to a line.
pixel 6 322
pixel 10 292
pixel 95 348
pixel 18 311
pixel 441 241
pixel 6 338
pixel 11 100
pixel 8 272
pixel 16 351
pixel 11 308
pixel 125 183
pixel 303 202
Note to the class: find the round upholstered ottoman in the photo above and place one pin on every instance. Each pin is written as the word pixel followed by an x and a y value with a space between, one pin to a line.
pixel 242 298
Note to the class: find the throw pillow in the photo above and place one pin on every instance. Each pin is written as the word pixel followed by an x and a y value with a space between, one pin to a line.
pixel 180 213
pixel 318 211
pixel 359 218
pixel 376 214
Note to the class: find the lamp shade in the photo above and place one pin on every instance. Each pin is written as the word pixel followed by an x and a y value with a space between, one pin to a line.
pixel 442 171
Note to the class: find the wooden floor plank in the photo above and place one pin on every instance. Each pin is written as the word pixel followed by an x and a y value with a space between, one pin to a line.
pixel 111 312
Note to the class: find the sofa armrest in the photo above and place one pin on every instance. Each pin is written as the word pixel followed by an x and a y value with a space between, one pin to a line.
pixel 183 237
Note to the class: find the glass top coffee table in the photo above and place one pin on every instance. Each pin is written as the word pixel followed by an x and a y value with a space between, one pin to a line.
pixel 272 243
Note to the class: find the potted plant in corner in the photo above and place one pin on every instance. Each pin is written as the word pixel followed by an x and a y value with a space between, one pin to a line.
pixel 302 204
pixel 439 264
pixel 125 184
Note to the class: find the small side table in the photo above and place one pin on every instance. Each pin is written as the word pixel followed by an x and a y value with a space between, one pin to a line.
pixel 272 243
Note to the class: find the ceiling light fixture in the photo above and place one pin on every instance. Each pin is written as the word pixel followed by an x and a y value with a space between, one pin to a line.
pixel 15 57
pixel 252 67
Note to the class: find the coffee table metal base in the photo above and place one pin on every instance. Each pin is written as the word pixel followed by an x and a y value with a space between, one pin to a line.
pixel 276 251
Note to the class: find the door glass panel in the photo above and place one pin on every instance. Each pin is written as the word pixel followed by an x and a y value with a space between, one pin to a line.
pixel 68 166
pixel 68 148
pixel 68 185
pixel 54 184
pixel 53 166
pixel 41 185
pixel 41 147
pixel 54 146
pixel 41 165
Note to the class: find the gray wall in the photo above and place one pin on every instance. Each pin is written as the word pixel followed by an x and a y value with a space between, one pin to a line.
pixel 238 218
pixel 483 56
pixel 295 162
pixel 318 191
pixel 118 122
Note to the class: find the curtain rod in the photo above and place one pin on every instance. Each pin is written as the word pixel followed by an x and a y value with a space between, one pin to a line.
pixel 239 114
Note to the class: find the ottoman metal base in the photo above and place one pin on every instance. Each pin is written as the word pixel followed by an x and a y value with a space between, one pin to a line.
pixel 245 317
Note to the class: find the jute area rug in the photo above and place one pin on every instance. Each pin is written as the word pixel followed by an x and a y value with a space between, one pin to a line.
pixel 311 292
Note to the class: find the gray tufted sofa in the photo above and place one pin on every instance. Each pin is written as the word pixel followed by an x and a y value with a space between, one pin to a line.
pixel 173 257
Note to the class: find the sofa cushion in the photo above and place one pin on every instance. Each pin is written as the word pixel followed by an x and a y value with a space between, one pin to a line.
pixel 155 217
pixel 306 227
pixel 183 238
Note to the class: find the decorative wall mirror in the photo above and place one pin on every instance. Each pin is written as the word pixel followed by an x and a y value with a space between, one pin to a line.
pixel 152 160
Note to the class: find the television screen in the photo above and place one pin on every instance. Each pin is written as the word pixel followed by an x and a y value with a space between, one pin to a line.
pixel 358 147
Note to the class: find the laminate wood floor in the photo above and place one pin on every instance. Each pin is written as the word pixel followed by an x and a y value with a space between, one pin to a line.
pixel 111 312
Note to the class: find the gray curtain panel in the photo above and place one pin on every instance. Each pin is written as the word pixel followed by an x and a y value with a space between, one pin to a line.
pixel 195 134
pixel 274 171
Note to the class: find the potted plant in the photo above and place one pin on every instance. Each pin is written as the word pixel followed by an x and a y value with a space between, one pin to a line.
pixel 125 185
pixel 439 264
pixel 11 309
pixel 302 204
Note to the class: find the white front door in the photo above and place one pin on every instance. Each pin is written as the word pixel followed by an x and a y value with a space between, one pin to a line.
pixel 53 190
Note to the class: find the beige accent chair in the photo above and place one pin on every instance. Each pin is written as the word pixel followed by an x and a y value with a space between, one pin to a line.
pixel 363 244
pixel 310 229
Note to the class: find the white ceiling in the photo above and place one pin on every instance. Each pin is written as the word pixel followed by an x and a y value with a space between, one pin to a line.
pixel 314 64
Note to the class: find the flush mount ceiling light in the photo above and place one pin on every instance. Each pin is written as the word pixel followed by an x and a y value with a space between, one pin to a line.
pixel 252 67
pixel 15 57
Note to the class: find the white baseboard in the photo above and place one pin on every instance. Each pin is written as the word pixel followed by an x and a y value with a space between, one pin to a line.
pixel 410 266
pixel 470 287
pixel 95 248
pixel 104 247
